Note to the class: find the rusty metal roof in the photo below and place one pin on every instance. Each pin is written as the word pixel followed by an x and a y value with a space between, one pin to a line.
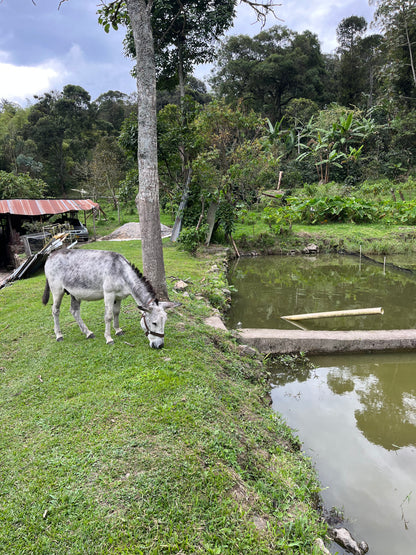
pixel 30 207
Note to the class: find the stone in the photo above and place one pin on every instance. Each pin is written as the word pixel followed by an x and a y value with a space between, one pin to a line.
pixel 321 546
pixel 311 249
pixel 247 351
pixel 343 538
pixel 215 322
pixel 180 285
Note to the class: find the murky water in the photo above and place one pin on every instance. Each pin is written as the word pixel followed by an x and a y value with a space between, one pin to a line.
pixel 355 414
pixel 275 286
pixel 356 418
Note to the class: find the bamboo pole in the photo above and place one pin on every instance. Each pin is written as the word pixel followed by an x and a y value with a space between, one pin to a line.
pixel 334 313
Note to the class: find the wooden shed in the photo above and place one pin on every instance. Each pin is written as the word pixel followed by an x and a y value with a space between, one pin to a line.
pixel 14 213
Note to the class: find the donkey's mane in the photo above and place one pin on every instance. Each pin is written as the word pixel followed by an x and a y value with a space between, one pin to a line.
pixel 146 282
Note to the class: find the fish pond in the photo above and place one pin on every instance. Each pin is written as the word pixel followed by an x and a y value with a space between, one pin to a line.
pixel 354 414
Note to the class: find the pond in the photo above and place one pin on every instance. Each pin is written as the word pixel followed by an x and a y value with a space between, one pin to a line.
pixel 355 414
pixel 275 286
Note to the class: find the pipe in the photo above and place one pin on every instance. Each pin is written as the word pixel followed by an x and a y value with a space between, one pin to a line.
pixel 334 313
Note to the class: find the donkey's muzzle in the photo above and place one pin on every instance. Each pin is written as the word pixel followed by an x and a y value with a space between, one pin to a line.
pixel 156 345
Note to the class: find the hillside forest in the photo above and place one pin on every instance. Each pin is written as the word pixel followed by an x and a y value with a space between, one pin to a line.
pixel 281 126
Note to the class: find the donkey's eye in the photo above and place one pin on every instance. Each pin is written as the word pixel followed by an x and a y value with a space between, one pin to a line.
pixel 154 323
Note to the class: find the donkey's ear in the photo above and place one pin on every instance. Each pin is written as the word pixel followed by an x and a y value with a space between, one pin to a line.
pixel 166 305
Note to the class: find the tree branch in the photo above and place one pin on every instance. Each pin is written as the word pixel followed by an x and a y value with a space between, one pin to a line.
pixel 262 9
pixel 115 6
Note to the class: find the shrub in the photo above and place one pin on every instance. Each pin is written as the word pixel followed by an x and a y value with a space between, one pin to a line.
pixel 20 186
pixel 279 220
pixel 190 238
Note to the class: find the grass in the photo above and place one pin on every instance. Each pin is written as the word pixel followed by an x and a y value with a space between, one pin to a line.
pixel 125 449
pixel 331 237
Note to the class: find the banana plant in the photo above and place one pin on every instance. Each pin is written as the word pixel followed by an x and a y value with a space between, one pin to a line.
pixel 342 142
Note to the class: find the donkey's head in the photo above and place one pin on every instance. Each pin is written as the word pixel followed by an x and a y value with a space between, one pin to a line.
pixel 153 322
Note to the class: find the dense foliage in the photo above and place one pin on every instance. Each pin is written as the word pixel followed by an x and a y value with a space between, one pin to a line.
pixel 270 69
pixel 59 138
pixel 281 114
pixel 21 185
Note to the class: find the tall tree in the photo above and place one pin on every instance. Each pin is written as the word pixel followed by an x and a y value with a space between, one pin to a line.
pixel 107 169
pixel 231 160
pixel 112 109
pixel 185 34
pixel 397 19
pixel 61 126
pixel 371 54
pixel 359 57
pixel 350 30
pixel 139 14
pixel 270 69
pixel 13 118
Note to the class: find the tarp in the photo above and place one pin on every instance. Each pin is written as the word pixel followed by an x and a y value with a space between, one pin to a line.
pixel 31 207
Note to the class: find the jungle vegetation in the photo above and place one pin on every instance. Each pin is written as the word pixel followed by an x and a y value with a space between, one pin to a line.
pixel 334 133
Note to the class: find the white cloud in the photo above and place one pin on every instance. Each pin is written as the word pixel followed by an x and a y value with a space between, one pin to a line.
pixel 299 15
pixel 20 82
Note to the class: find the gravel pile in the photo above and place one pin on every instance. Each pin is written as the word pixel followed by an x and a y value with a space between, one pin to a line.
pixel 130 231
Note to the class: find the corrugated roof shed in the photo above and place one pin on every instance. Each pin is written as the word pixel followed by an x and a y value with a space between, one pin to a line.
pixel 30 207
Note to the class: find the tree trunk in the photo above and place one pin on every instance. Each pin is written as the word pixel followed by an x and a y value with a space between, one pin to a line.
pixel 409 45
pixel 181 78
pixel 186 169
pixel 147 200
pixel 182 206
pixel 212 210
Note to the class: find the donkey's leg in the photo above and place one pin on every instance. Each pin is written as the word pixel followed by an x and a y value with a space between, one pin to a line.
pixel 56 305
pixel 76 313
pixel 109 301
pixel 116 314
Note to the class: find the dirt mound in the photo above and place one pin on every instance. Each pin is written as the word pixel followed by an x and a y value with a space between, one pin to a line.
pixel 131 230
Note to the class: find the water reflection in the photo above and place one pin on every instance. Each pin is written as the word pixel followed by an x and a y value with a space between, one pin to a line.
pixel 356 417
pixel 387 395
pixel 355 414
pixel 386 391
pixel 274 286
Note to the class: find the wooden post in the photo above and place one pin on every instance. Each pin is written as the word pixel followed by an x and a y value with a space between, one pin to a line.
pixel 234 246
pixel 93 223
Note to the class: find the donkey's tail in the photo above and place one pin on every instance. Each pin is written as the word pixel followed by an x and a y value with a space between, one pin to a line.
pixel 46 293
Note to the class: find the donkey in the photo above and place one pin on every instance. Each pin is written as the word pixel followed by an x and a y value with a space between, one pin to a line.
pixel 90 275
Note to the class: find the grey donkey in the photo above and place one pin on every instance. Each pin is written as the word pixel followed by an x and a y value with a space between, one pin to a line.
pixel 90 275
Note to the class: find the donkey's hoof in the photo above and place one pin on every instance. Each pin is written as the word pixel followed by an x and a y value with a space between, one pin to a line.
pixel 60 338
pixel 119 332
pixel 110 342
pixel 91 336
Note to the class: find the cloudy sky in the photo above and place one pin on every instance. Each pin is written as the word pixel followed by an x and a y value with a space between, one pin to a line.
pixel 43 48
